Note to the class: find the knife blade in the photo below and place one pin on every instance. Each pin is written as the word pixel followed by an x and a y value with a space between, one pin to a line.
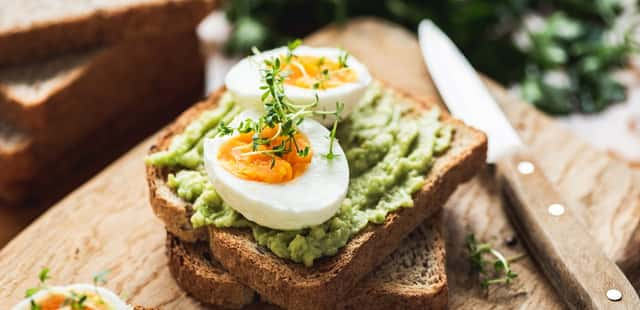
pixel 580 272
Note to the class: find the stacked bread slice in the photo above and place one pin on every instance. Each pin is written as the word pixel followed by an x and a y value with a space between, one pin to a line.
pixel 81 81
pixel 398 264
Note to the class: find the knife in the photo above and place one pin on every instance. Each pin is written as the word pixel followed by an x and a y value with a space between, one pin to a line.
pixel 580 272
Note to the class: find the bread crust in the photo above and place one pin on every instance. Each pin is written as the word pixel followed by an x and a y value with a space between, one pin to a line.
pixel 101 26
pixel 196 272
pixel 202 277
pixel 323 286
pixel 173 211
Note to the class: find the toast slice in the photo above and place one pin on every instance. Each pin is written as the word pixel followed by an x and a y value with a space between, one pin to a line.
pixel 413 277
pixel 322 286
pixel 34 29
pixel 93 95
pixel 61 91
pixel 294 286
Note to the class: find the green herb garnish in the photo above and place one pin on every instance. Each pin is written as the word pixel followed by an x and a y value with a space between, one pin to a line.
pixel 502 272
pixel 281 113
pixel 291 46
pixel 43 276
pixel 342 59
pixel 75 301
pixel 334 128
pixel 35 306
pixel 100 278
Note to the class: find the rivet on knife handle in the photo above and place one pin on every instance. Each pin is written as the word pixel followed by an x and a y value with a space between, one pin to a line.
pixel 572 261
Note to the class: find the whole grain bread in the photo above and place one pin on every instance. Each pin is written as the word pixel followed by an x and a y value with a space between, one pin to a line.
pixel 197 273
pixel 35 29
pixel 413 277
pixel 110 94
pixel 294 286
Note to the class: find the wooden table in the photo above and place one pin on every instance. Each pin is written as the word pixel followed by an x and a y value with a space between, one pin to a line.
pixel 107 222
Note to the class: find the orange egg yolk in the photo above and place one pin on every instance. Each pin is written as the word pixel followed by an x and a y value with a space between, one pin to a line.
pixel 316 72
pixel 57 301
pixel 237 156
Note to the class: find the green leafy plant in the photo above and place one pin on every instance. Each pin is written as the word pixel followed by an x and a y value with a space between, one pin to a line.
pixel 571 41
pixel 43 276
pixel 478 253
pixel 100 278
pixel 75 301
pixel 281 113
pixel 35 306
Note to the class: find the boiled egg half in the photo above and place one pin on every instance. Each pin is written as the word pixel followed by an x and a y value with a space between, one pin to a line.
pixel 329 73
pixel 280 192
pixel 59 297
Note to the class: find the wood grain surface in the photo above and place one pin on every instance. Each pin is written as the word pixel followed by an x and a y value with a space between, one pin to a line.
pixel 107 222
pixel 561 245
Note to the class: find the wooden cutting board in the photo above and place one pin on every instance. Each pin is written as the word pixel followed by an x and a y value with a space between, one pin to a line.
pixel 107 223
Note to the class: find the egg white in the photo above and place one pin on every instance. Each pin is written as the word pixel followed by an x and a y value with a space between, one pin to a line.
pixel 108 296
pixel 309 199
pixel 244 81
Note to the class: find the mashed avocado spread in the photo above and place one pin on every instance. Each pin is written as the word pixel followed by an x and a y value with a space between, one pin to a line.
pixel 389 146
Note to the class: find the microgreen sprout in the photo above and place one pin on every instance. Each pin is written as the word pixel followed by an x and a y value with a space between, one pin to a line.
pixel 281 113
pixel 224 130
pixel 501 265
pixel 43 276
pixel 292 47
pixel 324 76
pixel 334 128
pixel 100 278
pixel 342 59
pixel 75 301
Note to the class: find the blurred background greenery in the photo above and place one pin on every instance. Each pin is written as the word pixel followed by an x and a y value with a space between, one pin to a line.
pixel 561 54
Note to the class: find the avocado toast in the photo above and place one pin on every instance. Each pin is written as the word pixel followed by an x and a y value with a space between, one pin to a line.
pixel 304 173
pixel 324 285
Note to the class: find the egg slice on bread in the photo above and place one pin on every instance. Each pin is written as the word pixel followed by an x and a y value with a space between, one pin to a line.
pixel 330 73
pixel 288 192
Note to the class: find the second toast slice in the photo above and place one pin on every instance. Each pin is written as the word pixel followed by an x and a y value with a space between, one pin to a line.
pixel 413 277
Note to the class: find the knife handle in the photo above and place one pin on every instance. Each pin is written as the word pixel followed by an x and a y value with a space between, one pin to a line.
pixel 570 258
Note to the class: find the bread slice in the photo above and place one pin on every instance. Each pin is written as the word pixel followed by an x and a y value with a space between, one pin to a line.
pixel 65 89
pixel 294 286
pixel 201 276
pixel 413 277
pixel 25 91
pixel 84 96
pixel 34 29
